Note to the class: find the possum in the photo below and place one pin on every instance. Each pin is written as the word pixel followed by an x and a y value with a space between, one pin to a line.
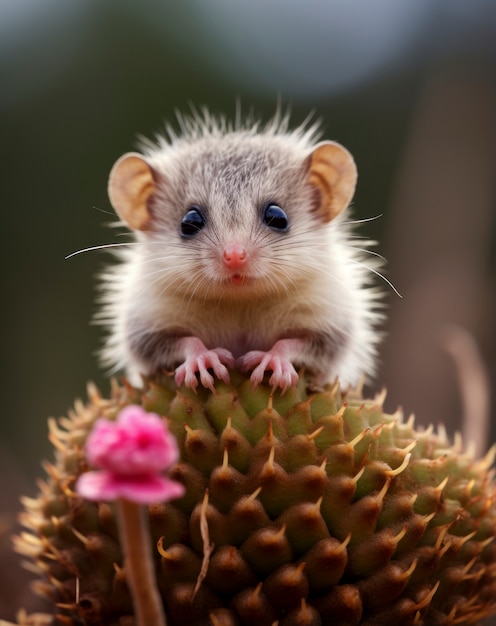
pixel 242 257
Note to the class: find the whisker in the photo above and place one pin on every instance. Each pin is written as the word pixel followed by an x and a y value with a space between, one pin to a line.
pixel 363 220
pixel 97 208
pixel 103 247
pixel 377 273
pixel 371 252
pixel 125 234
pixel 123 244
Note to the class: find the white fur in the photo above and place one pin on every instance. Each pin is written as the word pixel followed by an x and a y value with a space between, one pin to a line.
pixel 313 277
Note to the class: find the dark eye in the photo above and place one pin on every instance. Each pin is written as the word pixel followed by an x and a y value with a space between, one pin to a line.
pixel 274 217
pixel 192 222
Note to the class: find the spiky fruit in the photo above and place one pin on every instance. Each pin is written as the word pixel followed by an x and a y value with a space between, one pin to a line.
pixel 301 509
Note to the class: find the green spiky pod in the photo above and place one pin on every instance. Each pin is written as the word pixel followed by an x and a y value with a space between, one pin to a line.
pixel 301 509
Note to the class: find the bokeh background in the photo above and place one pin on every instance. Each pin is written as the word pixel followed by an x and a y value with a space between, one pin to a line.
pixel 407 85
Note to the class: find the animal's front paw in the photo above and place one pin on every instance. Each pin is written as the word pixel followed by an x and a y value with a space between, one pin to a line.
pixel 284 374
pixel 199 360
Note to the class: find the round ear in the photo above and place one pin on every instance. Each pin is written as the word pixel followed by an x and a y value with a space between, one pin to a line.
pixel 333 173
pixel 130 186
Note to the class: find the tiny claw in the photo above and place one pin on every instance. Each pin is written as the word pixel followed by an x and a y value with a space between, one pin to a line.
pixel 185 376
pixel 284 380
pixel 283 372
pixel 198 361
pixel 249 360
pixel 180 375
pixel 207 380
pixel 257 375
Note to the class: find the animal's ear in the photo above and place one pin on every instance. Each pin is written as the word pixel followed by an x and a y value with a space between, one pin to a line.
pixel 130 186
pixel 333 174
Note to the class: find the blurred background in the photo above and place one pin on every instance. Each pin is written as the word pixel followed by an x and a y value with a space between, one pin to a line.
pixel 408 86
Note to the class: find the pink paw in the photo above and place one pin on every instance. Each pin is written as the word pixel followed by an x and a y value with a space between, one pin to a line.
pixel 198 361
pixel 283 372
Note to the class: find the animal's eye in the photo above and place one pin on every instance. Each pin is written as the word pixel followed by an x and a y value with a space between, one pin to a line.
pixel 274 217
pixel 192 222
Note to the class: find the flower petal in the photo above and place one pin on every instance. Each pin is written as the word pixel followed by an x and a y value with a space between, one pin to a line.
pixel 137 442
pixel 97 486
pixel 154 489
pixel 131 451
pixel 104 485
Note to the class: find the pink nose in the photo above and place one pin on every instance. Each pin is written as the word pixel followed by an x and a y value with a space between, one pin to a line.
pixel 234 255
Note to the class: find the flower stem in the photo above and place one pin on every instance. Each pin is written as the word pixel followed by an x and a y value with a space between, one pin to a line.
pixel 138 564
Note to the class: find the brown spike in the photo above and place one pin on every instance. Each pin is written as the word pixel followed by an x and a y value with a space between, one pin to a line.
pixel 79 406
pixel 268 468
pixel 382 493
pixel 469 487
pixel 286 586
pixel 390 426
pixel 442 534
pixel 266 549
pixel 359 437
pixel 33 552
pixel 280 533
pixel 400 468
pixel 428 598
pixel 428 518
pixel 470 449
pixel 119 571
pixel 52 471
pixel 33 504
pixel 407 573
pixel 303 615
pixel 358 475
pixel 410 447
pixel 269 436
pixel 380 398
pixel 428 431
pixel 486 542
pixel 468 567
pixel 63 619
pixel 485 463
pixel 253 607
pixel 341 605
pixel 82 538
pixel 410 421
pixel 56 436
pixel 93 392
pixel 163 553
pixel 315 433
pixel 397 538
pixel 57 583
pixel 34 568
pixel 223 617
pixel 461 540
pixel 255 494
pixel 69 606
pixel 442 485
pixel 447 546
pixel 378 430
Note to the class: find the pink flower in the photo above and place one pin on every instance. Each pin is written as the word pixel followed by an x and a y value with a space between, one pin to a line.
pixel 131 452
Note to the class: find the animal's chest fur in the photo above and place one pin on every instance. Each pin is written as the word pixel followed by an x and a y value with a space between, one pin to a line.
pixel 242 326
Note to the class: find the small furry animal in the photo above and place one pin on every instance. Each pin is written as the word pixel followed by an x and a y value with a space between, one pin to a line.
pixel 242 258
